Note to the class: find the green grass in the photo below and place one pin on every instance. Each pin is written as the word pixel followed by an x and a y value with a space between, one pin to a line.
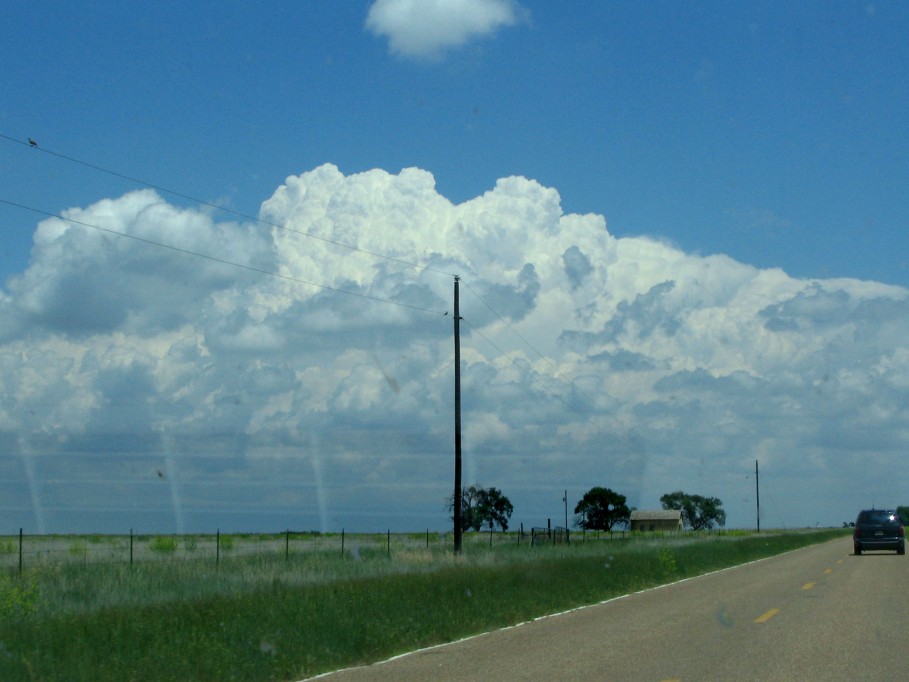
pixel 163 544
pixel 262 618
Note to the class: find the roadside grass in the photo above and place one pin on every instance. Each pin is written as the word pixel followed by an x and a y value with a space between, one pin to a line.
pixel 255 618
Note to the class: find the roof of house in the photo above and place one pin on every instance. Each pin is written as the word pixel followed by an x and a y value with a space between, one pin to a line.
pixel 656 514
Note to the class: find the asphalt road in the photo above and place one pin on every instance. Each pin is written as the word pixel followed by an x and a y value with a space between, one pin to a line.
pixel 818 613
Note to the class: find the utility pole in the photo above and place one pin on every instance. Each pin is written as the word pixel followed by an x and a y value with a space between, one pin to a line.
pixel 457 373
pixel 757 495
pixel 565 500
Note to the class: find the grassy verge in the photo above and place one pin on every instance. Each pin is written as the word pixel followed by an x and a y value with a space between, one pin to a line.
pixel 254 620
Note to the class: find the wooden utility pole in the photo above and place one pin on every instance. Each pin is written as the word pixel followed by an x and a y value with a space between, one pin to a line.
pixel 565 500
pixel 757 495
pixel 457 373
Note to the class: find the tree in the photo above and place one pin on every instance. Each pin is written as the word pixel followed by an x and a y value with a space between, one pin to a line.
pixel 699 512
pixel 601 509
pixel 495 508
pixel 903 513
pixel 481 506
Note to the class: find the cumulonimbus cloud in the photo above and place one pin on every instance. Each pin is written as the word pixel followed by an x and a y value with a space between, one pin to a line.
pixel 586 357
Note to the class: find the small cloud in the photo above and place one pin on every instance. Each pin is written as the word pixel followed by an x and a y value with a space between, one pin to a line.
pixel 425 28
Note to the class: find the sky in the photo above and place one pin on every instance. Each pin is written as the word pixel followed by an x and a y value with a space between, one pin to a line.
pixel 227 264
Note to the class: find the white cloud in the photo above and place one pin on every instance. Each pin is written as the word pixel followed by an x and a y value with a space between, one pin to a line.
pixel 661 370
pixel 425 28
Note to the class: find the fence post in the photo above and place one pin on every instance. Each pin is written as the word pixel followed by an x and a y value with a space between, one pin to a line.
pixel 287 545
pixel 427 538
pixel 20 551
pixel 217 547
pixel 342 543
pixel 388 543
pixel 130 546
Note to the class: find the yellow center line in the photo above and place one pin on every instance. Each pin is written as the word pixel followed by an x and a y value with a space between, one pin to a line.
pixel 808 586
pixel 766 616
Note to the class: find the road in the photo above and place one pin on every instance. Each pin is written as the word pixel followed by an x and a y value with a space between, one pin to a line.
pixel 818 613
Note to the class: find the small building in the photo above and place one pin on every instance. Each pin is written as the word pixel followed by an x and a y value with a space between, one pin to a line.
pixel 657 520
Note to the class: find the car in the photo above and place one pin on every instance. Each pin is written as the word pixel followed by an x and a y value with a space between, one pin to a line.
pixel 878 529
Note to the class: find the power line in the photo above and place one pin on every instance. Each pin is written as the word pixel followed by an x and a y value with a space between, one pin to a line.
pixel 216 259
pixel 33 145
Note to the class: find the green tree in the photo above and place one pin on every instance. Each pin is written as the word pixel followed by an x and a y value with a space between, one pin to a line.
pixel 601 509
pixel 699 512
pixel 482 506
pixel 495 508
pixel 903 513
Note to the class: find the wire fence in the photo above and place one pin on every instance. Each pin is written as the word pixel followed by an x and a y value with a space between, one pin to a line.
pixel 22 551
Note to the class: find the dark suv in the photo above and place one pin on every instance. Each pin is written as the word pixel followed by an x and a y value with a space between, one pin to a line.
pixel 879 529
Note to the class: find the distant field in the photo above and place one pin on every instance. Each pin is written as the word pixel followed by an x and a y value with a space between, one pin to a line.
pixel 43 550
pixel 47 549
pixel 282 608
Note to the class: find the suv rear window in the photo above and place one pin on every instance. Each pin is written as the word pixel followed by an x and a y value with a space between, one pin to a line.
pixel 878 516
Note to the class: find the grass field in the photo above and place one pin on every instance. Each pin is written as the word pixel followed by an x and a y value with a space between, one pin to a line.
pixel 287 616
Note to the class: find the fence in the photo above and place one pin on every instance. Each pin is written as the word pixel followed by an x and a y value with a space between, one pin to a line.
pixel 555 536
pixel 18 552
pixel 22 551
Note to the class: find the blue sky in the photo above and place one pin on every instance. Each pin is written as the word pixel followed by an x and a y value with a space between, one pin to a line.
pixel 749 160
pixel 771 132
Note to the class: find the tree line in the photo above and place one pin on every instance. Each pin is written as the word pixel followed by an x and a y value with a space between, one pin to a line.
pixel 599 509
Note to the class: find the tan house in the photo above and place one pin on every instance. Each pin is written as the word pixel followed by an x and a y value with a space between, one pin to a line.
pixel 657 520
